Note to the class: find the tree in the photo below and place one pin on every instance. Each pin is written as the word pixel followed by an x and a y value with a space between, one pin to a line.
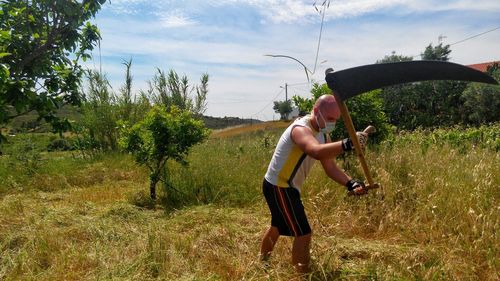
pixel 131 108
pixel 424 104
pixel 394 58
pixel 200 101
pixel 41 44
pixel 284 108
pixel 303 104
pixel 482 102
pixel 438 52
pixel 161 136
pixel 174 90
pixel 100 112
pixel 365 109
pixel 441 99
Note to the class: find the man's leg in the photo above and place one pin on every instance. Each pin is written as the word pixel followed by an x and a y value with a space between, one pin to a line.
pixel 300 253
pixel 268 242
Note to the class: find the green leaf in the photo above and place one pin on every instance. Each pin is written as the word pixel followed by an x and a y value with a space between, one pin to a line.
pixel 4 55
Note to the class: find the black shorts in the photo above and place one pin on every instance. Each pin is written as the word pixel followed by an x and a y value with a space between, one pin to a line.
pixel 287 211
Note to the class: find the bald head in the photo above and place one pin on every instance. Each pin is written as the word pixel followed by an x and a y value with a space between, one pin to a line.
pixel 328 107
pixel 325 101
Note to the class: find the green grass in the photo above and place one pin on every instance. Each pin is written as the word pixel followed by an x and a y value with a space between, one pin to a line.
pixel 436 216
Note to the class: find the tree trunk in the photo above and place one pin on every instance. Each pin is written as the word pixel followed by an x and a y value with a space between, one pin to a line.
pixel 152 188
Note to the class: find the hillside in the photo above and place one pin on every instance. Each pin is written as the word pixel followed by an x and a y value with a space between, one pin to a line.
pixel 30 123
pixel 226 122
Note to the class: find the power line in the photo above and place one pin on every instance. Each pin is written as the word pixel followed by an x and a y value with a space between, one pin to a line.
pixel 474 36
pixel 279 93
pixel 326 4
pixel 240 101
pixel 465 39
pixel 298 84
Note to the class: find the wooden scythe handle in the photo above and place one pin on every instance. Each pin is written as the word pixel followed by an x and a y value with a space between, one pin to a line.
pixel 352 134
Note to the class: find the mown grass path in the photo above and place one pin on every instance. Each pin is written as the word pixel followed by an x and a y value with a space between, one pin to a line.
pixel 93 233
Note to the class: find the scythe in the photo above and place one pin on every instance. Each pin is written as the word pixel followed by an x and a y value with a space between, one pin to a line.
pixel 357 80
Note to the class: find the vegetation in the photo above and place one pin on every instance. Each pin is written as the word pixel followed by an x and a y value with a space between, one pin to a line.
pixel 163 135
pixel 439 103
pixel 75 206
pixel 174 90
pixel 364 109
pixel 36 69
pixel 284 108
pixel 482 102
pixel 436 216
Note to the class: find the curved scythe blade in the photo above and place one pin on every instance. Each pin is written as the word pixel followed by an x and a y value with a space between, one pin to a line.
pixel 357 80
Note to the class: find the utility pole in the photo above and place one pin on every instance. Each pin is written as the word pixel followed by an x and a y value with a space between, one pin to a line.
pixel 286 91
pixel 440 38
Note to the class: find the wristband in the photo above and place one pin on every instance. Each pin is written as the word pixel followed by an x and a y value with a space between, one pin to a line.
pixel 350 185
pixel 347 144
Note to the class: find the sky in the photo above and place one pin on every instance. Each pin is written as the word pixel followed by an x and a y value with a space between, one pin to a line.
pixel 228 40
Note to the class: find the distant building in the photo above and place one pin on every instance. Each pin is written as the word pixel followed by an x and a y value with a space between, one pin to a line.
pixel 483 67
pixel 294 114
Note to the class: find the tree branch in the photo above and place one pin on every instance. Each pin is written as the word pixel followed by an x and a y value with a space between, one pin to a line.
pixel 37 52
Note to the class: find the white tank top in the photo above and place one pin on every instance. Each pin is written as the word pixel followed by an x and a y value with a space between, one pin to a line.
pixel 290 165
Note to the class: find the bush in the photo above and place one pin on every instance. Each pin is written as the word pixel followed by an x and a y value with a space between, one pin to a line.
pixel 365 109
pixel 25 155
pixel 60 145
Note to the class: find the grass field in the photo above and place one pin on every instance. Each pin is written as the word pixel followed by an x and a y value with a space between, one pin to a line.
pixel 436 217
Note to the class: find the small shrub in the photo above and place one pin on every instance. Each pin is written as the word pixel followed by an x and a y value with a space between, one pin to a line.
pixel 60 145
pixel 25 155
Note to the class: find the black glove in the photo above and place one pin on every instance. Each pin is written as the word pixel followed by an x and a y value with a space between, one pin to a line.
pixel 353 184
pixel 347 144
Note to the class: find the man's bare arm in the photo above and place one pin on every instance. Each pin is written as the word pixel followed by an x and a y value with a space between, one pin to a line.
pixel 305 139
pixel 334 172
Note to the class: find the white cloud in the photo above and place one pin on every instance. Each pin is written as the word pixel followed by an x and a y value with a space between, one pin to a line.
pixel 176 18
pixel 290 11
pixel 234 59
pixel 465 5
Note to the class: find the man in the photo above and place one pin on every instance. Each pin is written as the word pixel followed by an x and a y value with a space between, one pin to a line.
pixel 303 142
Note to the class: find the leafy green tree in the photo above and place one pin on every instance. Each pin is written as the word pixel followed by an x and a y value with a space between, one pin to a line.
pixel 303 104
pixel 482 102
pixel 41 44
pixel 424 104
pixel 365 109
pixel 394 58
pixel 284 108
pixel 442 99
pixel 438 52
pixel 163 135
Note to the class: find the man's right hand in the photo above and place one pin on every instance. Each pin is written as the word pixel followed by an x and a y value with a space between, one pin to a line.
pixel 356 187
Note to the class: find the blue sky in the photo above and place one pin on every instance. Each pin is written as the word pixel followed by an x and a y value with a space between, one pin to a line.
pixel 228 40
